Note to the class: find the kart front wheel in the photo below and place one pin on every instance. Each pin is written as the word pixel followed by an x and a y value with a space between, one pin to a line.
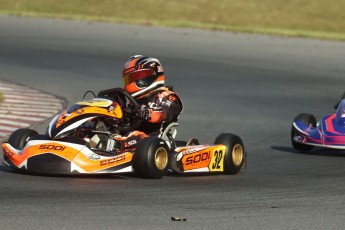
pixel 151 158
pixel 307 119
pixel 20 137
pixel 235 155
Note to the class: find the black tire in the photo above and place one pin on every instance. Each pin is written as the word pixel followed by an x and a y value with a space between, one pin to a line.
pixel 235 155
pixel 151 158
pixel 20 137
pixel 307 119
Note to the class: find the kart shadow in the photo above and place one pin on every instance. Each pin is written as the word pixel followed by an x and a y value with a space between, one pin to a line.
pixel 316 151
pixel 196 174
pixel 9 170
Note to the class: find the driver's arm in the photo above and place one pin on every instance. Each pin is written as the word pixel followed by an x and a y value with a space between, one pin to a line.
pixel 168 110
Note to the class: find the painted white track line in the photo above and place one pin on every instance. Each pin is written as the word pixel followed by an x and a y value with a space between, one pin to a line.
pixel 23 107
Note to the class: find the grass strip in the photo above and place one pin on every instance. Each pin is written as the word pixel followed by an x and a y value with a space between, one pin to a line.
pixel 304 18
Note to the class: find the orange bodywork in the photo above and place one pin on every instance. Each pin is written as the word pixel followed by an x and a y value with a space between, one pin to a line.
pixel 72 152
pixel 196 158
pixel 90 165
pixel 203 157
pixel 99 108
pixel 49 147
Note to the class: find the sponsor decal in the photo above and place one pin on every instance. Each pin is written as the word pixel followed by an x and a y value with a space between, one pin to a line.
pixel 113 160
pixel 8 153
pixel 79 111
pixel 93 157
pixel 132 142
pixel 201 157
pixel 66 115
pixel 299 139
pixel 172 98
pixel 53 147
pixel 192 150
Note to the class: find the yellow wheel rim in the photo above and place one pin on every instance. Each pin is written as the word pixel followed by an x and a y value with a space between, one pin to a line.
pixel 161 158
pixel 237 154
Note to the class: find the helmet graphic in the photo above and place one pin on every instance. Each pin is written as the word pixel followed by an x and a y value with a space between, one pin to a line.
pixel 142 74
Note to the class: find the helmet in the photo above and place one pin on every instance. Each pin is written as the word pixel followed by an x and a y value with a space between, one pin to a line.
pixel 142 74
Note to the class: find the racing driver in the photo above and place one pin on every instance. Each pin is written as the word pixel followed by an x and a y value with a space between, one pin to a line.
pixel 144 79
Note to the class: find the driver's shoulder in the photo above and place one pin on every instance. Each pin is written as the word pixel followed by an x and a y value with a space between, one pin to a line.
pixel 166 91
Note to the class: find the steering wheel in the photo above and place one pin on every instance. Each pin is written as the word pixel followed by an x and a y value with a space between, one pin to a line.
pixel 119 95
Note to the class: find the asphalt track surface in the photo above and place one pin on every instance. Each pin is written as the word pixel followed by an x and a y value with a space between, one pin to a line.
pixel 245 84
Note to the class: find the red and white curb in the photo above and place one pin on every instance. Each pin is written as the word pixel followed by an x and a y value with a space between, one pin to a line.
pixel 22 107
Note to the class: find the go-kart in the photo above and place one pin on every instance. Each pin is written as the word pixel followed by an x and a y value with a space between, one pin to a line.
pixel 83 139
pixel 329 132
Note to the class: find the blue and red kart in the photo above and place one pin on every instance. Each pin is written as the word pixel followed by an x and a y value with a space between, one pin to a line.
pixel 329 132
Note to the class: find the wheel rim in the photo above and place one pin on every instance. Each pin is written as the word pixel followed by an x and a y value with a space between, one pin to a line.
pixel 161 158
pixel 237 154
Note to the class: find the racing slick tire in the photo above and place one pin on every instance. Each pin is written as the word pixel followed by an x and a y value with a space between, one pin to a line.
pixel 235 155
pixel 151 158
pixel 20 137
pixel 308 119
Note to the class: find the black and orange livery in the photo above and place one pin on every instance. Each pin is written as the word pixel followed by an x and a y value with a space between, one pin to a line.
pixel 86 139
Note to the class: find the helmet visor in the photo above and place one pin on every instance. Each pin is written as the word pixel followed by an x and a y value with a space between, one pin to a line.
pixel 138 75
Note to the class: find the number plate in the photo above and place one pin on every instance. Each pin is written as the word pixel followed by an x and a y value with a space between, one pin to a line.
pixel 217 161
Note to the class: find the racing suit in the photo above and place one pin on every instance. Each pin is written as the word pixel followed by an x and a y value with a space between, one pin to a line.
pixel 159 107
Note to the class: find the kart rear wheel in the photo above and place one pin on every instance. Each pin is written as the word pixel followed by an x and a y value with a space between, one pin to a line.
pixel 20 137
pixel 235 155
pixel 307 119
pixel 151 158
